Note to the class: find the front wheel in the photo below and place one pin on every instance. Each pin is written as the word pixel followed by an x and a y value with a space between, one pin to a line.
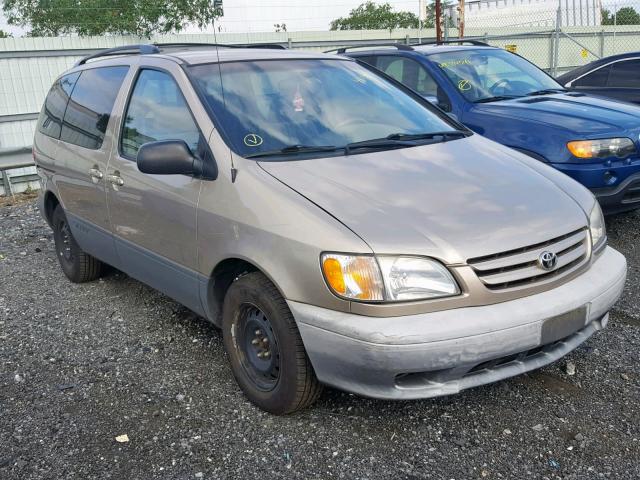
pixel 264 346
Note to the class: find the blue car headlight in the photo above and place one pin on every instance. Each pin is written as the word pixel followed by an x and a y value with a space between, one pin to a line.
pixel 602 148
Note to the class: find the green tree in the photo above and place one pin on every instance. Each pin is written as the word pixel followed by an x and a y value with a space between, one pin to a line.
pixel 628 16
pixel 624 16
pixel 430 19
pixel 99 17
pixel 370 16
pixel 4 34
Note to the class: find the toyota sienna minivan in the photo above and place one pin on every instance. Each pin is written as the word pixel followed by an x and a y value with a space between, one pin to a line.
pixel 339 229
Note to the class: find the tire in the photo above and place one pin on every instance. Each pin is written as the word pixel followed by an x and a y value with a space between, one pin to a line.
pixel 253 311
pixel 78 266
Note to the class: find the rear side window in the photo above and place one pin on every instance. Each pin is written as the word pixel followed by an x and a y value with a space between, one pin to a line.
pixel 90 106
pixel 157 111
pixel 410 73
pixel 50 120
pixel 597 78
pixel 625 74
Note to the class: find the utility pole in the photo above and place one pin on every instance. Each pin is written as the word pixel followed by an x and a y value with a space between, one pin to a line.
pixel 421 18
pixel 438 7
pixel 460 18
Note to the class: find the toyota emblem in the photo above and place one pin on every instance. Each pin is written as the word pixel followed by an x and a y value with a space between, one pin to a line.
pixel 547 260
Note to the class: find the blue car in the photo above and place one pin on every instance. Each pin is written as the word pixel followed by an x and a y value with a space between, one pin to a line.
pixel 506 98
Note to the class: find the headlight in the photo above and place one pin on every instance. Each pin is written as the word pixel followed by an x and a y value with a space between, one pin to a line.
pixel 387 278
pixel 597 227
pixel 602 148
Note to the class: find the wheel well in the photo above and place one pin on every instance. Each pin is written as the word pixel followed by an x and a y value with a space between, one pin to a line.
pixel 50 204
pixel 225 273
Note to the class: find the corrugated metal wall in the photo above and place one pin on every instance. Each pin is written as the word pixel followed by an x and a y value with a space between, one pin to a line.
pixel 28 66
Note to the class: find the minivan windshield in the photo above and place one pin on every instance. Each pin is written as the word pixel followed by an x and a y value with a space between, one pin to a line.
pixel 311 106
pixel 493 74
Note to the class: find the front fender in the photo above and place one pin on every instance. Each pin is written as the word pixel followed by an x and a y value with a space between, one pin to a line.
pixel 536 139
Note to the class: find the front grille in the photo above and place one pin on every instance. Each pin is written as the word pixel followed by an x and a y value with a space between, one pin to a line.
pixel 519 267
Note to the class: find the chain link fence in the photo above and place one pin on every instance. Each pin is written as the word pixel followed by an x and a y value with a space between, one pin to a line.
pixel 556 35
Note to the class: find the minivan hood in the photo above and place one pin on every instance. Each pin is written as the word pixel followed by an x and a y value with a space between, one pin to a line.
pixel 580 114
pixel 453 201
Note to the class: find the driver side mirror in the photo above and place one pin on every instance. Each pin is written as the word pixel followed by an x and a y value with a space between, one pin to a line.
pixel 433 100
pixel 168 157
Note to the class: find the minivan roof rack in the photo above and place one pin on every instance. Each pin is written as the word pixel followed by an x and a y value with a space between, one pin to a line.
pixel 399 46
pixel 142 49
pixel 458 41
pixel 274 46
pixel 151 48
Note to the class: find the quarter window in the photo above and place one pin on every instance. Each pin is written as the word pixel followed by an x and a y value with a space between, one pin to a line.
pixel 625 74
pixel 597 78
pixel 157 111
pixel 50 120
pixel 90 106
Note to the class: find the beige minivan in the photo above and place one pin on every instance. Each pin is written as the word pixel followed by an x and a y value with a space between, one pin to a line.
pixel 336 226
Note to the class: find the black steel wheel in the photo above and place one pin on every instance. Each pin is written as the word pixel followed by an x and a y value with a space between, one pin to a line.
pixel 265 349
pixel 258 347
pixel 77 265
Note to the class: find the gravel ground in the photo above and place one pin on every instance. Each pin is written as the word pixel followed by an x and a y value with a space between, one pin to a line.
pixel 83 364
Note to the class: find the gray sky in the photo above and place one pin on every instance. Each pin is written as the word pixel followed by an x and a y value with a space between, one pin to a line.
pixel 298 15
pixel 260 16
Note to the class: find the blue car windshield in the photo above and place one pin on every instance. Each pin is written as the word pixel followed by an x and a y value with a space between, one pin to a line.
pixel 481 74
pixel 268 105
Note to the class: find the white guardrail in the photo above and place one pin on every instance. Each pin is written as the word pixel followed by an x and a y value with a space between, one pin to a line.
pixel 29 65
pixel 20 159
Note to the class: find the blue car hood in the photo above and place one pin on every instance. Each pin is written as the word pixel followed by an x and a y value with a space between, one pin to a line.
pixel 576 113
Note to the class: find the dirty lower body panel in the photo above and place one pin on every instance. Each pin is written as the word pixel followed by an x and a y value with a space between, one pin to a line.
pixel 443 352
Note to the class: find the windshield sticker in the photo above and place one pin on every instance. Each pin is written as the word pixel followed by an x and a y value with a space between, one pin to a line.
pixel 252 140
pixel 464 85
pixel 454 63
pixel 298 101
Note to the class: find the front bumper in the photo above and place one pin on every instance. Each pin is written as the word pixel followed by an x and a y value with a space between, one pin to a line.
pixel 621 198
pixel 617 187
pixel 440 353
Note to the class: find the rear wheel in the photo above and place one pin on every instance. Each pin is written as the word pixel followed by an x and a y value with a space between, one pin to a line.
pixel 77 265
pixel 266 352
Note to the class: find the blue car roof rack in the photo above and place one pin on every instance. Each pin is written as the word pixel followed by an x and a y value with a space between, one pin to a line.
pixel 458 41
pixel 399 46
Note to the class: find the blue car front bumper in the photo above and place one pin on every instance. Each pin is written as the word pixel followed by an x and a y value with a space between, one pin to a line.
pixel 615 184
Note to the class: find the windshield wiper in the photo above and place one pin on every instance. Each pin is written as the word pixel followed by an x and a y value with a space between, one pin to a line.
pixel 497 98
pixel 547 91
pixel 378 143
pixel 292 149
pixel 446 135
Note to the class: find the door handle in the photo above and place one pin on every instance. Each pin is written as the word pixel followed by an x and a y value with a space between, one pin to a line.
pixel 95 174
pixel 115 180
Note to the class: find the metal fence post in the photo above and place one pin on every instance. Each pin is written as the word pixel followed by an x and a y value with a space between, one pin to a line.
pixel 601 43
pixel 556 46
pixel 6 182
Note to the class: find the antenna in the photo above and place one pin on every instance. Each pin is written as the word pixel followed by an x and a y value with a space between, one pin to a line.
pixel 234 170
